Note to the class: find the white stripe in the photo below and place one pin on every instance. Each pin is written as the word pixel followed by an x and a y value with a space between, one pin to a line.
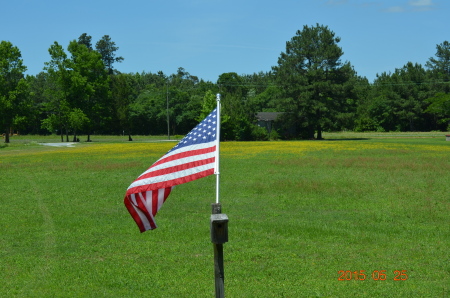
pixel 140 213
pixel 179 162
pixel 148 202
pixel 133 199
pixel 189 148
pixel 160 197
pixel 172 176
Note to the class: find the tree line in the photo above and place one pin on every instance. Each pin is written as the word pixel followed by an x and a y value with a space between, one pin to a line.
pixel 79 92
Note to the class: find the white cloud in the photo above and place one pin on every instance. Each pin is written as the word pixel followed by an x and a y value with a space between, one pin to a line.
pixel 412 6
pixel 421 5
pixel 336 2
pixel 420 2
pixel 407 6
pixel 394 9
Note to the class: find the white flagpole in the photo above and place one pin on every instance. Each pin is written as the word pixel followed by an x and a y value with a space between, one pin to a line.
pixel 219 222
pixel 217 172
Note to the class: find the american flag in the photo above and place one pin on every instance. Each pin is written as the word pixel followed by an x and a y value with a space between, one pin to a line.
pixel 192 158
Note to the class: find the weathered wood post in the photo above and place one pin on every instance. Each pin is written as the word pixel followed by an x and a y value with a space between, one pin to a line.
pixel 219 235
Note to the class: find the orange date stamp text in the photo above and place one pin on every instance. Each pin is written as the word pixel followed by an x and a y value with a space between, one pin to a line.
pixel 398 275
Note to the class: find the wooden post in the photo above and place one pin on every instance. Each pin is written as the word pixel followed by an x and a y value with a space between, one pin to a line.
pixel 219 235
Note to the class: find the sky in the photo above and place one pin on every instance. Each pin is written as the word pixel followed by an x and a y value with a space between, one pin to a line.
pixel 211 37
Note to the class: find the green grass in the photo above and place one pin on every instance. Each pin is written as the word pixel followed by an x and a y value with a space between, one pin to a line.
pixel 299 212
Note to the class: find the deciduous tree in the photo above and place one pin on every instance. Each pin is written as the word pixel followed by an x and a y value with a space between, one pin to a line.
pixel 57 106
pixel 122 97
pixel 89 84
pixel 13 86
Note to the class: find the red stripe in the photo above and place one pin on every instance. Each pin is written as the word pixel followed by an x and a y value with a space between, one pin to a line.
pixel 170 183
pixel 141 206
pixel 184 154
pixel 167 191
pixel 177 168
pixel 134 214
pixel 155 195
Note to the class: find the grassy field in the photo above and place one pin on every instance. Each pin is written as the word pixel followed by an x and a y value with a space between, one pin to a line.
pixel 335 218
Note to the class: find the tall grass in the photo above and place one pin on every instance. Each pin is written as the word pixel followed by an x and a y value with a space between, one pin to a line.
pixel 299 213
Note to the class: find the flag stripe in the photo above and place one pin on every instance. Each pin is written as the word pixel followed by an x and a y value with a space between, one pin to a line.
pixel 155 200
pixel 180 178
pixel 139 213
pixel 171 176
pixel 142 204
pixel 177 168
pixel 134 212
pixel 180 155
pixel 192 158
pixel 180 159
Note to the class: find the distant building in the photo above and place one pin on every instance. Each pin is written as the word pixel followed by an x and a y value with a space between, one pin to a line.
pixel 265 119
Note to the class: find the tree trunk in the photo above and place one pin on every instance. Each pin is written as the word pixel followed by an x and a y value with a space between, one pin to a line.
pixel 411 124
pixel 319 133
pixel 319 126
pixel 129 137
pixel 6 136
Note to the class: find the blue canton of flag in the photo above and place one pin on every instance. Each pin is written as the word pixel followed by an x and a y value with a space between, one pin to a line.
pixel 204 132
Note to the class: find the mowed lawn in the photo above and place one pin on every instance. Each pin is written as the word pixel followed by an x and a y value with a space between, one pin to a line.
pixel 366 216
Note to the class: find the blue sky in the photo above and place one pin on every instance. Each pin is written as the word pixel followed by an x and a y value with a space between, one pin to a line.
pixel 211 37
